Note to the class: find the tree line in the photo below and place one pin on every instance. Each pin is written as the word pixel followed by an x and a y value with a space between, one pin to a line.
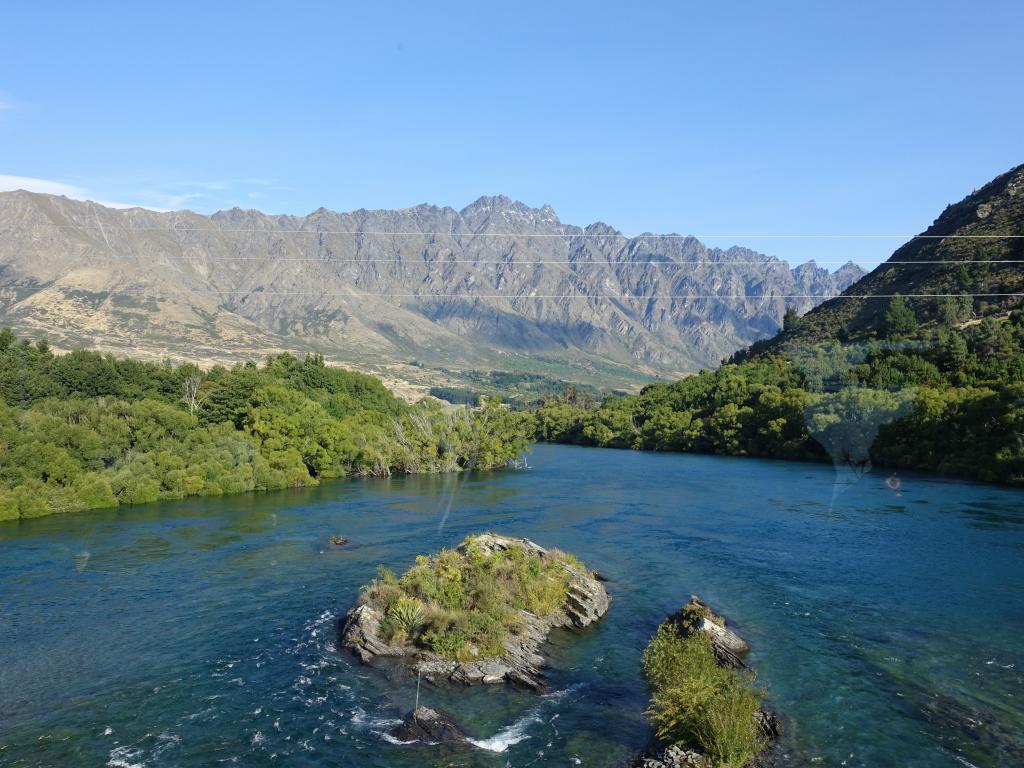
pixel 85 430
pixel 945 397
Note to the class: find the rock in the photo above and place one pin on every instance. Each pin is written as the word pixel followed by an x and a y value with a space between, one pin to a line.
pixel 673 757
pixel 770 724
pixel 728 647
pixel 587 600
pixel 490 542
pixel 430 726
pixel 359 631
pixel 725 637
pixel 522 661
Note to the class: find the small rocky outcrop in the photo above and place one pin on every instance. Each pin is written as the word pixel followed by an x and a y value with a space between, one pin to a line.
pixel 729 650
pixel 520 663
pixel 728 647
pixel 678 757
pixel 674 757
pixel 433 727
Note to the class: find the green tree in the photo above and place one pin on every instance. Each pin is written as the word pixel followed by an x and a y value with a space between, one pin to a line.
pixel 791 320
pixel 899 319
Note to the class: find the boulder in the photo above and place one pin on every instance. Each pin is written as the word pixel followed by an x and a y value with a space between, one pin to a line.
pixel 360 632
pixel 431 726
pixel 674 757
pixel 728 647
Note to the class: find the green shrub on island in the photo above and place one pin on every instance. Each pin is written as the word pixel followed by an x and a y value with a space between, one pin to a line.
pixel 463 603
pixel 85 431
pixel 698 703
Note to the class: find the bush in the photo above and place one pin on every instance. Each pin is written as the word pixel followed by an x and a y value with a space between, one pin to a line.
pixel 403 617
pixel 698 703
pixel 9 506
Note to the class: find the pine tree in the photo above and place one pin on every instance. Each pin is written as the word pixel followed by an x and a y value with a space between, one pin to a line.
pixel 791 320
pixel 899 319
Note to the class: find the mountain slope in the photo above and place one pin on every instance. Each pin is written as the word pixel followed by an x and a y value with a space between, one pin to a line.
pixel 920 366
pixel 495 285
pixel 966 265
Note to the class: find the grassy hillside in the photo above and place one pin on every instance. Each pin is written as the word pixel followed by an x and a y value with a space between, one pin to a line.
pixel 968 265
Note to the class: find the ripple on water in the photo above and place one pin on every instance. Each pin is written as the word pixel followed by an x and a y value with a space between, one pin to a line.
pixel 149 747
pixel 240 628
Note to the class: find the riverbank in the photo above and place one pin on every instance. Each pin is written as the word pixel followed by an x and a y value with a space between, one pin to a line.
pixel 894 404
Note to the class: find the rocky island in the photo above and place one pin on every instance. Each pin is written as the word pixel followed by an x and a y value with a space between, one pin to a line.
pixel 477 614
pixel 706 707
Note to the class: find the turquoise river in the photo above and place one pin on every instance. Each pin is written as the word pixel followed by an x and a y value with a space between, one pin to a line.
pixel 887 620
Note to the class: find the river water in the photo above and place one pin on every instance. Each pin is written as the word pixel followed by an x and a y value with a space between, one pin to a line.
pixel 887 617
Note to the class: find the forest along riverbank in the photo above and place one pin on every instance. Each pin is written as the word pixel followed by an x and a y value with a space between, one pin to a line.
pixel 89 431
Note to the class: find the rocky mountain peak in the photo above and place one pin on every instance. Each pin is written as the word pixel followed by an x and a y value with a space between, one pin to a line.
pixel 239 283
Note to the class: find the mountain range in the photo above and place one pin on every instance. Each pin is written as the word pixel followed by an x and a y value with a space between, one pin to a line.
pixel 496 286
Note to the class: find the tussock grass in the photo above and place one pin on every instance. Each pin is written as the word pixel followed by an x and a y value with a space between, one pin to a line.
pixel 698 703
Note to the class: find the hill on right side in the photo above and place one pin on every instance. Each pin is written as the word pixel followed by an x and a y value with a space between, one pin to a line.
pixel 918 365
pixel 965 267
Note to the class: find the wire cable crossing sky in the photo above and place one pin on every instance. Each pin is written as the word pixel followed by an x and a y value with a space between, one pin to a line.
pixel 658 117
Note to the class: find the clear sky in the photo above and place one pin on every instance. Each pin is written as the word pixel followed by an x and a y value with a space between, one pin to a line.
pixel 708 118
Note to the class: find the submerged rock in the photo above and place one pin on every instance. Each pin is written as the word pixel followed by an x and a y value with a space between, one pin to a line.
pixel 521 662
pixel 431 726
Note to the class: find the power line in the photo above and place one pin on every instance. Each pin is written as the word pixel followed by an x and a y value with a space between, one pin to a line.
pixel 646 235
pixel 823 297
pixel 563 262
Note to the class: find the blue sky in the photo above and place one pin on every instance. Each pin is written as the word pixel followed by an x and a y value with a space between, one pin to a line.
pixel 715 119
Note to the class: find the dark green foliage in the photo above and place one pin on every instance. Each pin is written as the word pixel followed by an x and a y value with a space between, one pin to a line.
pixel 945 399
pixel 83 430
pixel 899 319
pixel 791 320
pixel 457 395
